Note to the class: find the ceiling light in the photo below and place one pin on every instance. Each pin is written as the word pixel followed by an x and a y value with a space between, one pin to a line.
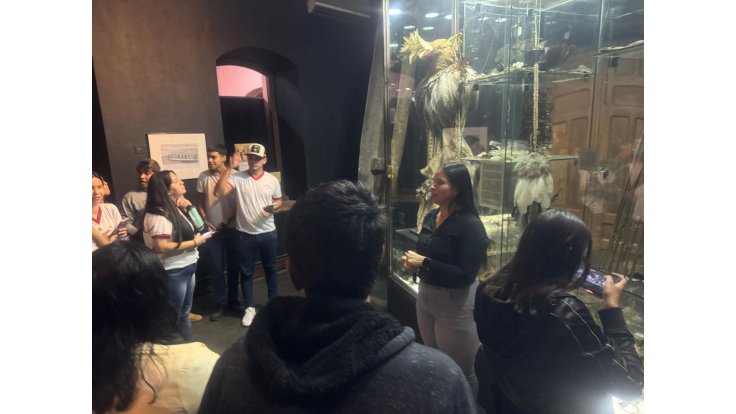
pixel 394 12
pixel 394 44
pixel 449 16
pixel 500 20
pixel 409 27
pixel 428 28
pixel 431 15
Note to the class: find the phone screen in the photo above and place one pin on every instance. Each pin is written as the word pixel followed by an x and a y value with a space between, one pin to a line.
pixel 595 280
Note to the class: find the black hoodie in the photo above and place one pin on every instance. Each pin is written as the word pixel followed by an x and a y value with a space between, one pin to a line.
pixel 557 360
pixel 324 355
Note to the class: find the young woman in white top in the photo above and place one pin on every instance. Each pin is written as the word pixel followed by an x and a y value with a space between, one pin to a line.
pixel 105 216
pixel 168 232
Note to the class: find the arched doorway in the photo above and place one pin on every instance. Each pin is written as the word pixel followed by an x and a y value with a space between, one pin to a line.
pixel 259 103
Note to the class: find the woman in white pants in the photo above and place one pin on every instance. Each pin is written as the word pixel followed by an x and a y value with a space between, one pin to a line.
pixel 450 250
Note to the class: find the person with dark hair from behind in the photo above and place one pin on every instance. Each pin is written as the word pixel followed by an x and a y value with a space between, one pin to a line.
pixel 545 352
pixel 450 250
pixel 332 351
pixel 132 370
pixel 134 202
pixel 168 232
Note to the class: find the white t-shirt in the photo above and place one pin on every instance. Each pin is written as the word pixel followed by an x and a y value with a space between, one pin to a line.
pixel 156 226
pixel 108 218
pixel 252 195
pixel 219 210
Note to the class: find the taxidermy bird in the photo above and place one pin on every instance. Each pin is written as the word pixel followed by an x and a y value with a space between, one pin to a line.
pixel 533 192
pixel 442 99
pixel 438 96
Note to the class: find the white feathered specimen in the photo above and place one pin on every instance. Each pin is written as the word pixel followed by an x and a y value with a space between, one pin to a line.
pixel 533 192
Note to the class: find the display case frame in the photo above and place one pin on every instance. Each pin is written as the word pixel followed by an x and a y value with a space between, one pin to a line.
pixel 545 86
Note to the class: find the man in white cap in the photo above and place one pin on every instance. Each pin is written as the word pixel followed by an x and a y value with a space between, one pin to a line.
pixel 258 195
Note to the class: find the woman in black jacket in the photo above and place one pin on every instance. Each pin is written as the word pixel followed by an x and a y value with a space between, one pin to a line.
pixel 450 250
pixel 546 354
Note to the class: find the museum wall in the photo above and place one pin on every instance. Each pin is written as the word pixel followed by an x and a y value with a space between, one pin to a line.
pixel 155 70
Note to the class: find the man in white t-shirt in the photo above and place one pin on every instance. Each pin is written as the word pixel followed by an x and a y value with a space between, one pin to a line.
pixel 219 215
pixel 257 195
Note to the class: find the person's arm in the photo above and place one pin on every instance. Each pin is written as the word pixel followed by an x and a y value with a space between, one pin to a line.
pixel 610 352
pixel 99 238
pixel 277 204
pixel 127 212
pixel 223 186
pixel 170 248
pixel 201 203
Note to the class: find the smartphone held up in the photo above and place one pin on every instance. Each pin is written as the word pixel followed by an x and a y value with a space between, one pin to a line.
pixel 595 280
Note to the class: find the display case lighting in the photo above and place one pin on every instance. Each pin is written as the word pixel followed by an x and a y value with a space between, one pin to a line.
pixel 409 27
pixel 394 12
pixel 448 16
pixel 431 15
pixel 428 28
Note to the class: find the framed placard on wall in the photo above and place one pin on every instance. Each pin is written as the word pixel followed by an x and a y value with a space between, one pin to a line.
pixel 185 154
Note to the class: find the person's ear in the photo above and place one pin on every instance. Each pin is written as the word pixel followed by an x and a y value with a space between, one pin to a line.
pixel 294 274
pixel 265 160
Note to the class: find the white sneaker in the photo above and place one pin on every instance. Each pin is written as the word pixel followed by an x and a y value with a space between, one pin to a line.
pixel 250 313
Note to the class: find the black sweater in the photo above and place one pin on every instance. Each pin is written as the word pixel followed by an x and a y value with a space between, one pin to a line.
pixel 557 360
pixel 319 355
pixel 455 250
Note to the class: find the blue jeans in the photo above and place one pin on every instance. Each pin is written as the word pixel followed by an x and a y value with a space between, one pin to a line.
pixel 219 253
pixel 181 292
pixel 248 246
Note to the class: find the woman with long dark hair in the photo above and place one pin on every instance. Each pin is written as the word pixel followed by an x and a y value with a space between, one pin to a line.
pixel 546 353
pixel 132 371
pixel 168 232
pixel 450 250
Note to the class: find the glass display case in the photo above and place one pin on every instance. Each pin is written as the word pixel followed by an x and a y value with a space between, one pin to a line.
pixel 518 91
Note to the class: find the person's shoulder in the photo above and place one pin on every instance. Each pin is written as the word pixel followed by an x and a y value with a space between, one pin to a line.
pixel 109 207
pixel 204 175
pixel 429 363
pixel 131 194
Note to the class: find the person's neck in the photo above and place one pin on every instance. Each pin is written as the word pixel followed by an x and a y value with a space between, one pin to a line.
pixel 445 210
pixel 95 208
pixel 255 173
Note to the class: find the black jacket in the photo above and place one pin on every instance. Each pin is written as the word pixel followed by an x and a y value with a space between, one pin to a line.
pixel 456 249
pixel 319 355
pixel 558 360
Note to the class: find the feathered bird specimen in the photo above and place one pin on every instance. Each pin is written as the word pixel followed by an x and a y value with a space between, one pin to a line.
pixel 442 99
pixel 533 192
pixel 438 96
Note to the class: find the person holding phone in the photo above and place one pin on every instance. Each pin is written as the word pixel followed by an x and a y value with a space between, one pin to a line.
pixel 450 250
pixel 258 196
pixel 544 351
pixel 168 232
pixel 105 216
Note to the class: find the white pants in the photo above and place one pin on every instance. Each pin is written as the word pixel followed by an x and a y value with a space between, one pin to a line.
pixel 445 318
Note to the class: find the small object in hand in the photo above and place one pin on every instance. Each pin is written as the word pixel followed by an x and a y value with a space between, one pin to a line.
pixel 121 226
pixel 269 208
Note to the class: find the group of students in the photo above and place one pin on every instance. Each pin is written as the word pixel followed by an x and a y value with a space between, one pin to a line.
pixel 332 351
pixel 234 214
